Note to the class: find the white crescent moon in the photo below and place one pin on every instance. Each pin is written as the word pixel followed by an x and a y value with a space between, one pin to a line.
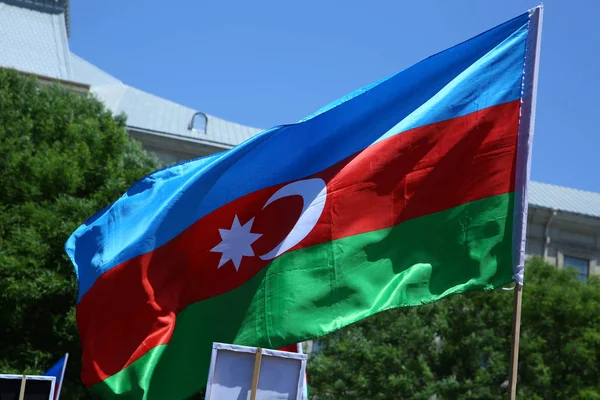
pixel 313 193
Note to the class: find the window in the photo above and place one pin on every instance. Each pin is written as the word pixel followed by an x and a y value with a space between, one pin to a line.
pixel 198 122
pixel 580 264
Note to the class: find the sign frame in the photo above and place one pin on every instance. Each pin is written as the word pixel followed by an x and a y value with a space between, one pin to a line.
pixel 258 352
pixel 52 379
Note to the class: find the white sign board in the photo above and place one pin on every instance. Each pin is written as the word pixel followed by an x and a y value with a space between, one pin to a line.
pixel 37 387
pixel 280 375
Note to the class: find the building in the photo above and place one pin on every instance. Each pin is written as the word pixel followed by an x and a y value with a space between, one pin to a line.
pixel 564 224
pixel 564 227
pixel 34 39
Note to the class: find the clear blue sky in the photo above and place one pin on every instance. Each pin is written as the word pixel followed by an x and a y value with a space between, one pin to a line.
pixel 264 63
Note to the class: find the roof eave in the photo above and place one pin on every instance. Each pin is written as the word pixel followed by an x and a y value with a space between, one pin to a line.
pixel 563 211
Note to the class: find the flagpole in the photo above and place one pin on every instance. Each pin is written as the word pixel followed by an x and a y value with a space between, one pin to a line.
pixel 304 378
pixel 526 129
pixel 22 391
pixel 516 334
pixel 62 377
pixel 255 375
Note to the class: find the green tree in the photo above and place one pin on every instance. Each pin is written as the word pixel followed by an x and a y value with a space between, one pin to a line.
pixel 63 156
pixel 459 347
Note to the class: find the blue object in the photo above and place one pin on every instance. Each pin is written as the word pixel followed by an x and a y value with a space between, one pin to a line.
pixel 58 371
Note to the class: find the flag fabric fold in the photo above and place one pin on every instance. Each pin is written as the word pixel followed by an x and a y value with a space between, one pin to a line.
pixel 398 194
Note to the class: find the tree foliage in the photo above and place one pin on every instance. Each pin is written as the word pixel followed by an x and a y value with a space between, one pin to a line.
pixel 63 156
pixel 459 347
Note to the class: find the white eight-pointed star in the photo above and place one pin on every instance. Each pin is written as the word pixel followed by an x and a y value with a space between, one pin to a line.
pixel 236 243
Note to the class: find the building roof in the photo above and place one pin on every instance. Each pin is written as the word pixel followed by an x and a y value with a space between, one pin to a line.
pixel 564 199
pixel 84 71
pixel 146 112
pixel 48 6
pixel 33 39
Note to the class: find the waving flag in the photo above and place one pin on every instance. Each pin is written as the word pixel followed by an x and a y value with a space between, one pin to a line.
pixel 399 194
pixel 58 371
